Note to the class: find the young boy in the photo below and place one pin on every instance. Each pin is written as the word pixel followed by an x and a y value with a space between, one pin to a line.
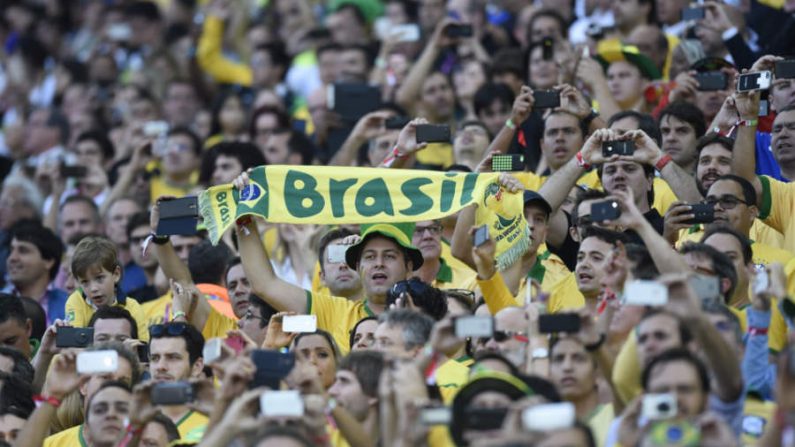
pixel 97 273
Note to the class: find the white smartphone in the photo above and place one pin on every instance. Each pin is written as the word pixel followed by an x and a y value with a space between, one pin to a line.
pixel 281 403
pixel 212 350
pixel 435 415
pixel 299 323
pixel 645 293
pixel 474 326
pixel 549 417
pixel 154 129
pixel 336 252
pixel 656 407
pixel 761 279
pixel 406 33
pixel 97 362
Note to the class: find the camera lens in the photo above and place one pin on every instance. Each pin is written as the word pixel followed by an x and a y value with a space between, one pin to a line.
pixel 663 407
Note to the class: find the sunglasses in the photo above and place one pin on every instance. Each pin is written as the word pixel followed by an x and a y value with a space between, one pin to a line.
pixel 167 330
pixel 501 336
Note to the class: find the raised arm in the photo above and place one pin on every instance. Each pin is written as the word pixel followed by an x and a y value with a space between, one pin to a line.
pixel 368 127
pixel 406 146
pixel 647 152
pixel 409 91
pixel 209 54
pixel 522 107
pixel 280 294
pixel 744 154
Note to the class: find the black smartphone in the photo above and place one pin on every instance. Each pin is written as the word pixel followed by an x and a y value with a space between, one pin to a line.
pixel 605 211
pixel 547 48
pixel 546 99
pixel 272 367
pixel 483 419
pixel 74 337
pixel 178 216
pixel 481 235
pixel 703 213
pixel 695 13
pixel 562 322
pixel 184 207
pixel 143 353
pixel 507 163
pixel 754 81
pixel 396 122
pixel 172 393
pixel 432 133
pixel 461 30
pixel 785 69
pixel 73 171
pixel 712 81
pixel 622 147
pixel 352 101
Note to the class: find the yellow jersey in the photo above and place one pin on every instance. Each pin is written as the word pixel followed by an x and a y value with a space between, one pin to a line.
pixel 79 313
pixel 191 427
pixel 599 422
pixel 71 437
pixel 777 207
pixel 450 376
pixel 337 315
pixel 760 233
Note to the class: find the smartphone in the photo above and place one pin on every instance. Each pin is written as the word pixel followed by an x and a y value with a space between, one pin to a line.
pixel 336 252
pixel 622 147
pixel 702 213
pixel 74 171
pixel 507 163
pixel 281 404
pixel 483 419
pixel 560 322
pixel 172 393
pixel 461 30
pixel 694 13
pixel 97 362
pixel 474 326
pixel 431 133
pixel 764 107
pixel 178 216
pixel 785 69
pixel 706 288
pixel 547 48
pixel 406 33
pixel 481 235
pixel 655 407
pixel 143 353
pixel 754 81
pixel 546 99
pixel 154 129
pixel 396 122
pixel 761 279
pixel 432 415
pixel 119 32
pixel 645 293
pixel 605 211
pixel 272 367
pixel 299 323
pixel 712 81
pixel 548 417
pixel 74 337
pixel 211 352
pixel 352 101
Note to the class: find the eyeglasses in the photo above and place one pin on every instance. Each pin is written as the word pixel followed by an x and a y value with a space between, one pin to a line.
pixel 726 202
pixel 434 229
pixel 167 330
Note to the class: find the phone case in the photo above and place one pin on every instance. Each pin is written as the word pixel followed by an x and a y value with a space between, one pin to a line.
pixel 74 337
pixel 562 322
pixel 184 207
pixel 546 99
pixel 604 211
pixel 430 133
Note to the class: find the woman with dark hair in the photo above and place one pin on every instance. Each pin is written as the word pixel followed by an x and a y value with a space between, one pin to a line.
pixel 228 117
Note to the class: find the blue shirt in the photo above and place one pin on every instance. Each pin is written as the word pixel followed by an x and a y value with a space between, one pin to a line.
pixel 133 278
pixel 766 164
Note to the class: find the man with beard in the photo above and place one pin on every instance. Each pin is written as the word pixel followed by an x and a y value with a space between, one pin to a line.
pixel 714 154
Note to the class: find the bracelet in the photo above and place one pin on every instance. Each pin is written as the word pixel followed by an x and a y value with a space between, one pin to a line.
pixel 595 346
pixel 757 331
pixel 581 162
pixel 510 124
pixel 393 156
pixel 178 314
pixel 663 161
pixel 747 123
pixel 588 119
pixel 42 399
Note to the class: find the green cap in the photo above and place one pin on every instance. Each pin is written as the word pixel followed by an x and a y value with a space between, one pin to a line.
pixel 631 54
pixel 401 233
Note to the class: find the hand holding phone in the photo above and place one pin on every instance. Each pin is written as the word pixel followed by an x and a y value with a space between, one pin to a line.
pixel 432 133
pixel 605 211
pixel 618 147
pixel 281 404
pixel 74 337
pixel 172 393
pixel 299 323
pixel 481 235
pixel 97 362
pixel 546 99
pixel 754 81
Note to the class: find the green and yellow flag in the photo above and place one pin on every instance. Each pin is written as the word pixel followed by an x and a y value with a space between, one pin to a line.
pixel 347 195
